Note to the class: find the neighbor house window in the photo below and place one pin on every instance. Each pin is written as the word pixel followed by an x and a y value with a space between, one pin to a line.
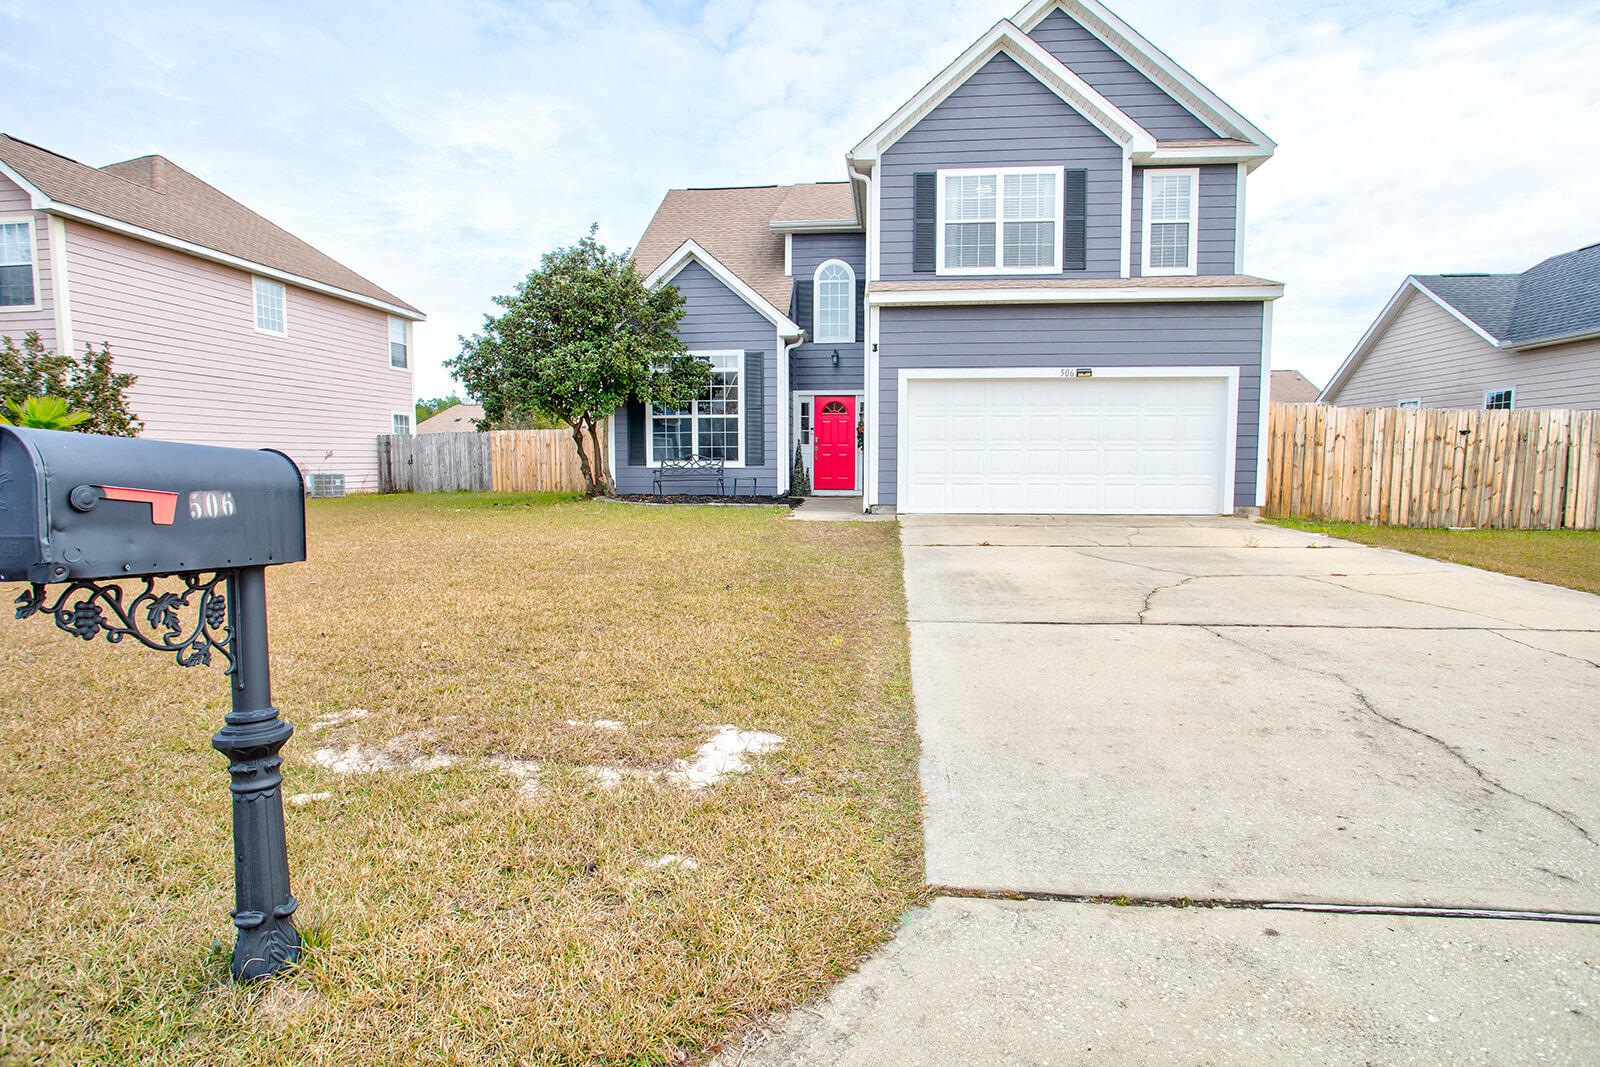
pixel 270 307
pixel 1000 221
pixel 707 427
pixel 1171 219
pixel 835 312
pixel 1498 399
pixel 402 423
pixel 397 342
pixel 1414 402
pixel 16 264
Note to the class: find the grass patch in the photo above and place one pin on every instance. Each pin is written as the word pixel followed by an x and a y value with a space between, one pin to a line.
pixel 1560 557
pixel 450 918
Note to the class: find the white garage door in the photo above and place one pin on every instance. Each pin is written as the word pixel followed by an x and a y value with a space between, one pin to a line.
pixel 1108 446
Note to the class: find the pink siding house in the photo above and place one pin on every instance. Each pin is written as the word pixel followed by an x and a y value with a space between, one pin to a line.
pixel 240 333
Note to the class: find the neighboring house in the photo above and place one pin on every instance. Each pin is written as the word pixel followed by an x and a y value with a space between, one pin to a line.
pixel 1027 296
pixel 1292 387
pixel 458 418
pixel 1529 340
pixel 240 333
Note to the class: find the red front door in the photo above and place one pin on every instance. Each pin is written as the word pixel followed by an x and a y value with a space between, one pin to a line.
pixel 834 458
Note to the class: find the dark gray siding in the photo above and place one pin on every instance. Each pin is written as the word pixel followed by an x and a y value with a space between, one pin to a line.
pixel 717 319
pixel 1117 80
pixel 1090 335
pixel 1426 353
pixel 1219 218
pixel 1002 116
pixel 812 369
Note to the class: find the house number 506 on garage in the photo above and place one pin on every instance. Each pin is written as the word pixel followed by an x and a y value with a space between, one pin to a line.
pixel 1077 372
pixel 210 504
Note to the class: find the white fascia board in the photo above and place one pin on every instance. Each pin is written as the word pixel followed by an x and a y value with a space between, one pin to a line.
pixel 1368 339
pixel 1006 38
pixel 1457 315
pixel 36 198
pixel 1251 156
pixel 1129 295
pixel 689 252
pixel 105 222
pixel 1149 60
pixel 824 226
pixel 1558 339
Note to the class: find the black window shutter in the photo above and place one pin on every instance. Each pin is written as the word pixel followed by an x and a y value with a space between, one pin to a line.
pixel 924 223
pixel 861 309
pixel 636 432
pixel 1074 220
pixel 755 409
pixel 802 306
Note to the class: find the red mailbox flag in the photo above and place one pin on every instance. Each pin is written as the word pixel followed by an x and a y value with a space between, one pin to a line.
pixel 163 506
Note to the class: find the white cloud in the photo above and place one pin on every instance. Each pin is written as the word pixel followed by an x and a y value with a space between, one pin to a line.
pixel 441 148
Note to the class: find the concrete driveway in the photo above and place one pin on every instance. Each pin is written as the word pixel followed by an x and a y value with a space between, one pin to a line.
pixel 1216 709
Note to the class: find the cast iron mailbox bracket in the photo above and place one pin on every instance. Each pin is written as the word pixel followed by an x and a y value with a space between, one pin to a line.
pixel 246 511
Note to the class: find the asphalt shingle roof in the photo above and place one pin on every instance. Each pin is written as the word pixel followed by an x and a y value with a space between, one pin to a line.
pixel 154 193
pixel 1559 298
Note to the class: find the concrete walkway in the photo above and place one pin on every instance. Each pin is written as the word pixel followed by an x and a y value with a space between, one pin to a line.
pixel 837 509
pixel 1218 710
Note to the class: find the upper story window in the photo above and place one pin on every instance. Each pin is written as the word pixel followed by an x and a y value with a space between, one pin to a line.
pixel 402 422
pixel 835 315
pixel 270 303
pixel 17 289
pixel 1000 221
pixel 1499 399
pixel 397 342
pixel 1171 221
pixel 709 426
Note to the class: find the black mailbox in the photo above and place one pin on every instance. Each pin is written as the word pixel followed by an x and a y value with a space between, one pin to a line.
pixel 78 506
pixel 78 510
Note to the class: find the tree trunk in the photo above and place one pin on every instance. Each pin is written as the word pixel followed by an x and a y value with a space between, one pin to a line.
pixel 583 460
pixel 601 467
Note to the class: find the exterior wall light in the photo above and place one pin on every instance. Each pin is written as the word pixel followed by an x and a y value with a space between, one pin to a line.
pixel 835 357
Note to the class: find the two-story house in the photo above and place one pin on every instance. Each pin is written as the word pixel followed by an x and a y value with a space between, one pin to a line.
pixel 1028 295
pixel 239 332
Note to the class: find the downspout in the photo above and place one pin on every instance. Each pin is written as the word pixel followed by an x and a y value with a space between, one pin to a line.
pixel 785 405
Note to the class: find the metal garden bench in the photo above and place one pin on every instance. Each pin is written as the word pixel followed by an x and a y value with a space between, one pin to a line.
pixel 683 470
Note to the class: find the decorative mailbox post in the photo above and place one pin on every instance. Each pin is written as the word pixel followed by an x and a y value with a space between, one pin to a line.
pixel 79 512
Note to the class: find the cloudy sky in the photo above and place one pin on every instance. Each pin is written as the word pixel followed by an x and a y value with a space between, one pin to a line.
pixel 440 148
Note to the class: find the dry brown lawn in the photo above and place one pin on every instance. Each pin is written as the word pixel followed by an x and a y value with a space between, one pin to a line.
pixel 449 916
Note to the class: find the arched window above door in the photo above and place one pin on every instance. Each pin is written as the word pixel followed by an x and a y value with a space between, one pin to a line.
pixel 834 319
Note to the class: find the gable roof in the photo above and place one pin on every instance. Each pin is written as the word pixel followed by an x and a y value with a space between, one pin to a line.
pixel 152 198
pixel 457 418
pixel 691 252
pixel 1291 387
pixel 732 225
pixel 1553 302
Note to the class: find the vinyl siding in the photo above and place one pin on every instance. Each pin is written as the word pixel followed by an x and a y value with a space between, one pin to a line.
pixel 1114 78
pixel 811 368
pixel 1083 335
pixel 1427 353
pixel 716 319
pixel 16 323
pixel 1003 117
pixel 1219 208
pixel 186 328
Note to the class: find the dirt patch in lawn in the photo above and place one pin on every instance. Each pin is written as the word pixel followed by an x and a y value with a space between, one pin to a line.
pixel 495 905
pixel 700 498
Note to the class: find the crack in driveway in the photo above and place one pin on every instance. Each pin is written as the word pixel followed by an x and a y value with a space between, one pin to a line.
pixel 1537 648
pixel 1454 752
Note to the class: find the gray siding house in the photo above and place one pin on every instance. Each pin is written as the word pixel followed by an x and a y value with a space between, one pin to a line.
pixel 1529 340
pixel 1028 295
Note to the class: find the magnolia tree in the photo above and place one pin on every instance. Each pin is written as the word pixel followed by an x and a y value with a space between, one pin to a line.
pixel 582 336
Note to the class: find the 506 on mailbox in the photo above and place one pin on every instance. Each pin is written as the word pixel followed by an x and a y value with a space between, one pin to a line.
pixel 195 527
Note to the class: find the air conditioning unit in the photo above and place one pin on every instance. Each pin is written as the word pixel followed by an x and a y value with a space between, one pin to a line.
pixel 327 485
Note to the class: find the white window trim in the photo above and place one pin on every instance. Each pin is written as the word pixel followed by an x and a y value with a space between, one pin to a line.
pixel 411 421
pixel 816 287
pixel 808 451
pixel 1000 174
pixel 255 311
pixel 1410 403
pixel 33 255
pixel 1193 266
pixel 389 357
pixel 650 459
pixel 1511 397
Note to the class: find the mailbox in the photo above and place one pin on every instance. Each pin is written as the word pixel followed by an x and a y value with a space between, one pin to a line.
pixel 78 511
pixel 77 506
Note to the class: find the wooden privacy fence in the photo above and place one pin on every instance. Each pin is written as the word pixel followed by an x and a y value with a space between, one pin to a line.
pixel 503 461
pixel 1530 470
